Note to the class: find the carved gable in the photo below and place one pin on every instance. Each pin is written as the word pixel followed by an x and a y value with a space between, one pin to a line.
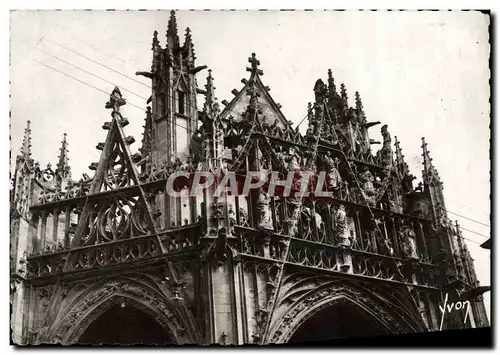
pixel 271 112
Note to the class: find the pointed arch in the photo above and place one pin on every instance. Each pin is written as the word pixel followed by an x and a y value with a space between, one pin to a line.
pixel 85 305
pixel 308 304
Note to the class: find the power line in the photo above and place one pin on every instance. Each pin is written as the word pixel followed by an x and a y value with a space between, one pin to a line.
pixel 470 208
pixel 72 77
pixel 468 230
pixel 90 73
pixel 470 219
pixel 96 88
pixel 115 71
pixel 96 62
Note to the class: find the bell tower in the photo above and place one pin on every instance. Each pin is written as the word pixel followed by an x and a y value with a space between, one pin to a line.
pixel 173 114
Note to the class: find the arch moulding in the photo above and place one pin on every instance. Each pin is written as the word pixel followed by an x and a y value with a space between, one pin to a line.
pixel 313 302
pixel 92 303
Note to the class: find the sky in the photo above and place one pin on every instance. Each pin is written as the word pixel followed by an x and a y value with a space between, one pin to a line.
pixel 425 74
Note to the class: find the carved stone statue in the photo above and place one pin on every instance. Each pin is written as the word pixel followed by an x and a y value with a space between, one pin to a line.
pixel 368 190
pixel 333 178
pixel 407 240
pixel 341 226
pixel 293 162
pixel 231 215
pixel 385 154
pixel 264 216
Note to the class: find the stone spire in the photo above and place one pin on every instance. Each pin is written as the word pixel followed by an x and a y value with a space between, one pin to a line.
pixel 332 90
pixel 63 169
pixel 434 187
pixel 401 165
pixel 211 106
pixel 156 43
pixel 359 108
pixel 146 136
pixel 189 48
pixel 26 146
pixel 429 174
pixel 343 92
pixel 172 35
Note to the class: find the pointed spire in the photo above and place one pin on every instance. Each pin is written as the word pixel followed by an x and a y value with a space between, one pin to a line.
pixel 156 43
pixel 189 48
pixel 63 168
pixel 332 90
pixel 188 39
pixel 26 146
pixel 359 104
pixel 172 35
pixel 343 92
pixel 211 106
pixel 146 136
pixel 402 167
pixel 429 174
pixel 255 65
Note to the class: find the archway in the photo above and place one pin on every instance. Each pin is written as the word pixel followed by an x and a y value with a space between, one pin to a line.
pixel 340 320
pixel 125 325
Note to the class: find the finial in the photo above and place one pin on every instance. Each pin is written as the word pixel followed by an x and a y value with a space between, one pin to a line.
pixel 26 146
pixel 211 106
pixel 172 36
pixel 359 104
pixel 430 174
pixel 343 92
pixel 188 46
pixel 332 90
pixel 255 65
pixel 115 100
pixel 63 168
pixel 320 90
pixel 188 35
pixel 156 43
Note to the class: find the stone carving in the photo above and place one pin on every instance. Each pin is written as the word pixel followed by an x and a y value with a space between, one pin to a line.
pixel 407 240
pixel 302 310
pixel 264 216
pixel 333 178
pixel 385 154
pixel 150 300
pixel 368 191
pixel 341 227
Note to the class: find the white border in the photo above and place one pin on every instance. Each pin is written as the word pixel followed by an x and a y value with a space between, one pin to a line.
pixel 187 4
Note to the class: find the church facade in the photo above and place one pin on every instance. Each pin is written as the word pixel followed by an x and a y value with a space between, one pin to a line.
pixel 117 258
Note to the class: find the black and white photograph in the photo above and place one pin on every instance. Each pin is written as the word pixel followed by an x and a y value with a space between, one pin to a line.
pixel 249 178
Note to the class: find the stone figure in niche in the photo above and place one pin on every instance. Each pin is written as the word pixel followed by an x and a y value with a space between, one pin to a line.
pixel 243 217
pixel 356 136
pixel 264 216
pixel 366 180
pixel 293 161
pixel 231 215
pixel 341 226
pixel 292 220
pixel 408 243
pixel 333 178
